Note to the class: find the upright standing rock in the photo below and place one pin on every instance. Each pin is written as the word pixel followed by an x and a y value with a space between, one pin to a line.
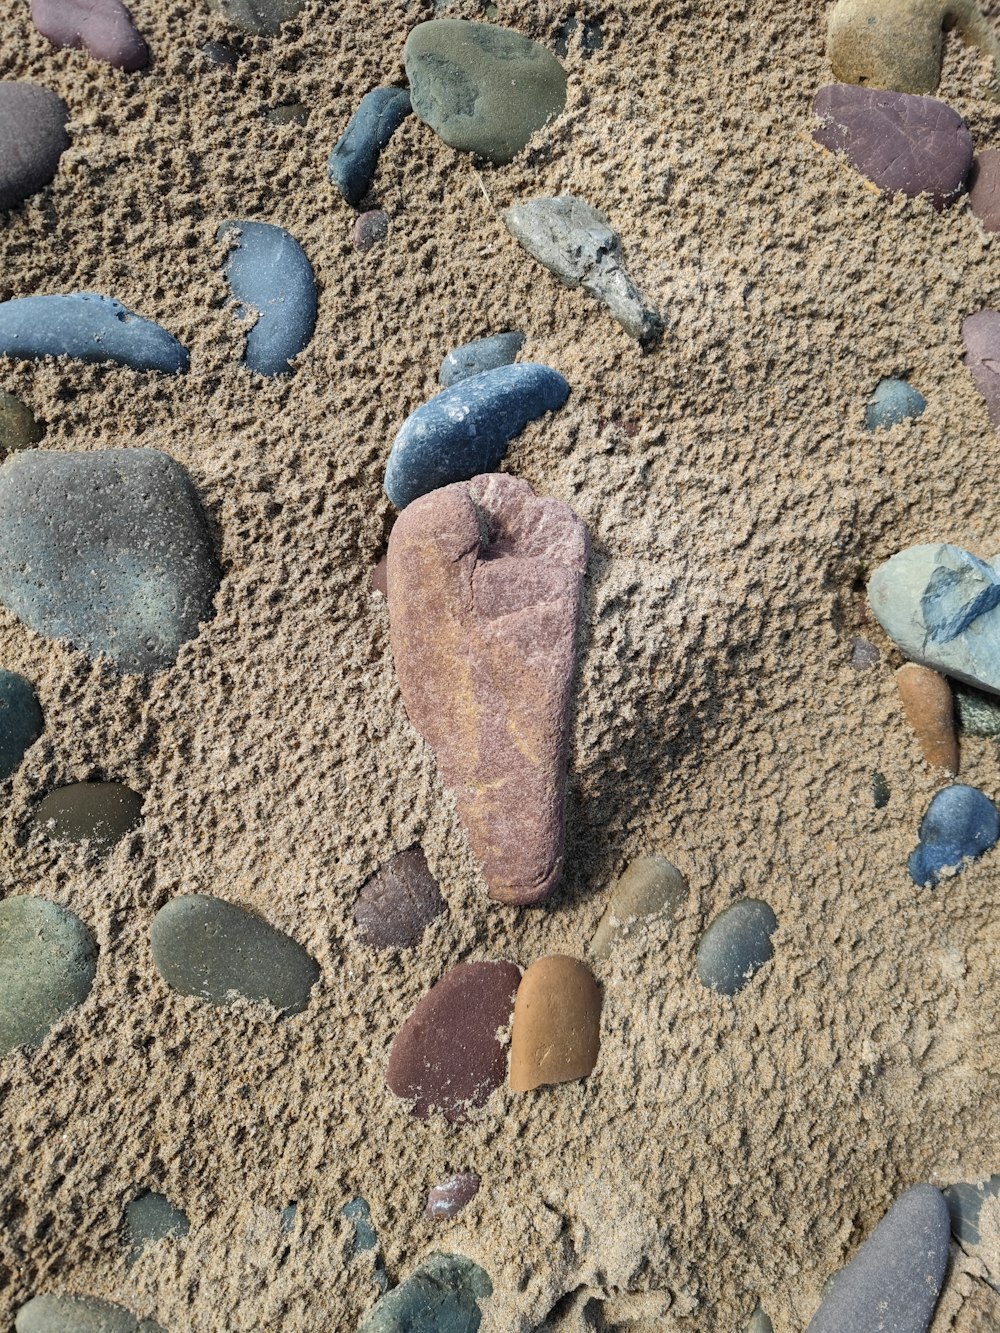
pixel 556 1034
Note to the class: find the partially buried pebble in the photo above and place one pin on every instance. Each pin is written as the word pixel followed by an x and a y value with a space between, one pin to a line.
pixel 79 1314
pixel 930 711
pixel 260 17
pixel 102 28
pixel 448 1197
pixel 21 720
pixel 500 349
pixel 88 327
pixel 151 1217
pixel 355 156
pixel 32 139
pixel 18 427
pixel 270 273
pixel 556 1033
pixel 100 814
pixel 961 824
pixel 984 188
pixel 650 887
pixel 397 904
pixel 441 1295
pixel 736 946
pixel 978 712
pixel 965 1205
pixel 981 335
pixel 369 230
pixel 892 402
pixel 48 960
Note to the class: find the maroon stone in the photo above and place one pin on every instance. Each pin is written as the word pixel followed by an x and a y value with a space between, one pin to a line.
pixel 370 229
pixel 104 28
pixel 485 584
pixel 903 143
pixel 380 575
pixel 32 139
pixel 446 1056
pixel 447 1199
pixel 981 335
pixel 399 902
pixel 984 188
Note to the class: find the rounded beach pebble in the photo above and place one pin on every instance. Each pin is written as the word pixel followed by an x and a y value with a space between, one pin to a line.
pixel 446 1056
pixel 984 188
pixel 18 427
pixel 103 28
pixel 218 952
pixel 447 1198
pixel 32 139
pixel 21 720
pixel 48 959
pixel 892 402
pixel 78 1314
pixel 150 1217
pixel 270 273
pixel 261 17
pixel 369 229
pixel 441 1295
pixel 649 887
pixel 399 902
pixel 736 945
pixel 556 1034
pixel 500 349
pixel 961 823
pixel 101 813
pixel 930 711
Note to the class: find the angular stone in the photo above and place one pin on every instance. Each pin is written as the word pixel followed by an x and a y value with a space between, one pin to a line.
pixel 484 89
pixel 369 229
pixel 78 1314
pixel 88 327
pixel 901 143
pixel 577 243
pixel 978 713
pixel 892 402
pixel 930 711
pixel 446 1056
pixel 649 887
pixel 219 952
pixel 892 1283
pixel 107 548
pixel 221 53
pixel 103 28
pixel 965 1203
pixel 399 902
pixel 354 160
pixel 101 813
pixel 960 823
pixel 441 1295
pixel 269 273
pixel 864 655
pixel 465 430
pixel 759 1322
pixel 359 1215
pixel 48 960
pixel 981 335
pixel 500 349
pixel 448 1197
pixel 32 139
pixel 556 1034
pixel 18 427
pixel 289 113
pixel 736 945
pixel 150 1217
pixel 380 571
pixel 485 583
pixel 984 188
pixel 261 17
pixel 21 720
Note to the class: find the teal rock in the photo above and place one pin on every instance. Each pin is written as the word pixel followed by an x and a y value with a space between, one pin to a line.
pixel 218 952
pixel 965 1203
pixel 269 272
pixel 88 327
pixel 482 88
pixel 48 959
pixel 261 17
pixel 359 1215
pixel 21 720
pixel 78 1314
pixel 500 349
pixel 892 402
pixel 978 713
pixel 98 813
pixel 18 427
pixel 151 1217
pixel 288 1216
pixel 442 1295
pixel 736 945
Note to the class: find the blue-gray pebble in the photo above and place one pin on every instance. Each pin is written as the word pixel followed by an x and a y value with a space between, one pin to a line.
pixel 20 720
pixel 474 358
pixel 150 1217
pixel 77 1314
pixel 442 1295
pixel 48 960
pixel 354 160
pixel 892 402
pixel 965 1203
pixel 961 822
pixel 892 1283
pixel 359 1215
pixel 465 430
pixel 736 945
pixel 268 271
pixel 88 327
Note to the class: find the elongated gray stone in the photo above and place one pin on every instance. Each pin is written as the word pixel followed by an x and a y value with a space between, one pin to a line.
pixel 217 951
pixel 441 1295
pixel 965 1203
pixel 355 157
pixel 108 549
pixel 577 243
pixel 500 349
pixel 269 272
pixel 32 139
pixel 21 720
pixel 87 327
pixel 261 17
pixel 101 813
pixel 77 1314
pixel 150 1217
pixel 736 945
pixel 48 960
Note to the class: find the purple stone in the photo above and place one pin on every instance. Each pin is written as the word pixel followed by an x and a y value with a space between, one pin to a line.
pixel 32 139
pixel 448 1197
pixel 864 655
pixel 981 335
pixel 370 229
pixel 104 28
pixel 399 902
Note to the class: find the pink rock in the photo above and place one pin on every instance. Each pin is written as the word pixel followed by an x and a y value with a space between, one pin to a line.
pixel 380 575
pixel 484 603
pixel 102 27
pixel 981 335
pixel 448 1197
pixel 984 189
pixel 32 139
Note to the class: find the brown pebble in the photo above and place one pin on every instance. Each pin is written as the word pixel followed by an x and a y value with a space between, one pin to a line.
pixel 370 229
pixel 380 575
pixel 399 902
pixel 929 709
pixel 984 188
pixel 557 1024
pixel 448 1197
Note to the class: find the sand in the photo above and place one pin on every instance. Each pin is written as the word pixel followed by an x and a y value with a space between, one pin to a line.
pixel 722 1151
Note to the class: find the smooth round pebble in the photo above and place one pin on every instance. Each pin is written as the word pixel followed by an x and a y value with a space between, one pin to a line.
pixel 18 427
pixel 21 720
pixel 397 904
pixel 354 160
pixel 48 960
pixel 736 945
pixel 77 1314
pixel 984 188
pixel 930 711
pixel 32 139
pixel 649 887
pixel 102 28
pixel 101 813
pixel 261 17
pixel 556 1034
pixel 150 1217
pixel 369 230
pixel 269 272
pixel 892 402
pixel 441 1295
pixel 499 349
pixel 961 823
pixel 447 1198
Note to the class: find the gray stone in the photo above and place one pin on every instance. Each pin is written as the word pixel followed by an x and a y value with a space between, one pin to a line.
pixel 500 349
pixel 892 1283
pixel 441 1295
pixel 892 402
pixel 106 548
pixel 355 157
pixel 87 327
pixel 18 427
pixel 965 1203
pixel 270 273
pixel 759 1322
pixel 398 903
pixel 261 17
pixel 32 139
pixel 482 88
pixel 99 813
pixel 649 887
pixel 217 951
pixel 289 113
pixel 77 1314
pixel 48 959
pixel 577 243
pixel 978 713
pixel 864 655
pixel 358 1213
pixel 21 720
pixel 736 945
pixel 150 1217
pixel 288 1216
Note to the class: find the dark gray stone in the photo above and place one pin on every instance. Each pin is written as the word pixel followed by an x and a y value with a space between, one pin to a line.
pixel 269 272
pixel 108 549
pixel 978 712
pixel 150 1217
pixel 87 327
pixel 965 1203
pixel 892 1283
pixel 736 945
pixel 217 951
pixel 18 427
pixel 442 1295
pixel 100 813
pixel 370 229
pixel 261 17
pixel 77 1314
pixel 500 349
pixel 354 160
pixel 464 431
pixel 32 139
pixel 398 903
pixel 48 960
pixel 892 402
pixel 961 823
pixel 21 720
pixel 359 1215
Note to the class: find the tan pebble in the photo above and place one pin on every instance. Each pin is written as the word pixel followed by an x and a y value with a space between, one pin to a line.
pixel 929 709
pixel 556 1032
pixel 651 886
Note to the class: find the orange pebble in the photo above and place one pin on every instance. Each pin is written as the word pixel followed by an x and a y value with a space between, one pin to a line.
pixel 556 1032
pixel 929 709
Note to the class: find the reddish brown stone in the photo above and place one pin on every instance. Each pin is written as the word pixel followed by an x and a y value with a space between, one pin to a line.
pixel 399 902
pixel 446 1056
pixel 981 335
pixel 484 601
pixel 104 28
pixel 448 1197
pixel 380 575
pixel 370 229
pixel 984 188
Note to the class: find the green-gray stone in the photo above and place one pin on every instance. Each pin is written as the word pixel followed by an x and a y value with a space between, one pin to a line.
pixel 21 720
pixel 978 712
pixel 965 1203
pixel 649 887
pixel 262 17
pixel 442 1295
pixel 151 1217
pixel 217 951
pixel 76 1314
pixel 482 88
pixel 100 813
pixel 759 1322
pixel 289 113
pixel 18 427
pixel 736 945
pixel 880 790
pixel 48 959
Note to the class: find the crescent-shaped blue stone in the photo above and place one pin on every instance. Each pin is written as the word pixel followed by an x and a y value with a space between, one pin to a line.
pixel 88 327
pixel 268 271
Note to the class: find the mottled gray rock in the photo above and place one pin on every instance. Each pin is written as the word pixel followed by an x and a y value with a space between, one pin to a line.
pixel 150 1217
pixel 442 1295
pixel 32 139
pixel 965 1203
pixel 270 273
pixel 369 229
pixel 892 1283
pixel 108 549
pixel 358 1213
pixel 261 17
pixel 577 243
pixel 981 335
pixel 100 813
pixel 87 327
pixel 649 887
pixel 864 655
pixel 355 157
pixel 892 402
pixel 398 903
pixel 482 88
pixel 736 945
pixel 77 1314
pixel 500 349
pixel 217 951
pixel 978 713
pixel 21 720
pixel 48 960
pixel 18 427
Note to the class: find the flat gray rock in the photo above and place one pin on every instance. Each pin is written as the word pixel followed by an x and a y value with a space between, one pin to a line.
pixel 108 549
pixel 21 720
pixel 99 813
pixel 269 273
pixel 500 349
pixel 736 945
pixel 217 951
pixel 87 327
pixel 577 243
pixel 48 959
pixel 150 1217
pixel 77 1314
pixel 32 139
pixel 441 1295
pixel 261 17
